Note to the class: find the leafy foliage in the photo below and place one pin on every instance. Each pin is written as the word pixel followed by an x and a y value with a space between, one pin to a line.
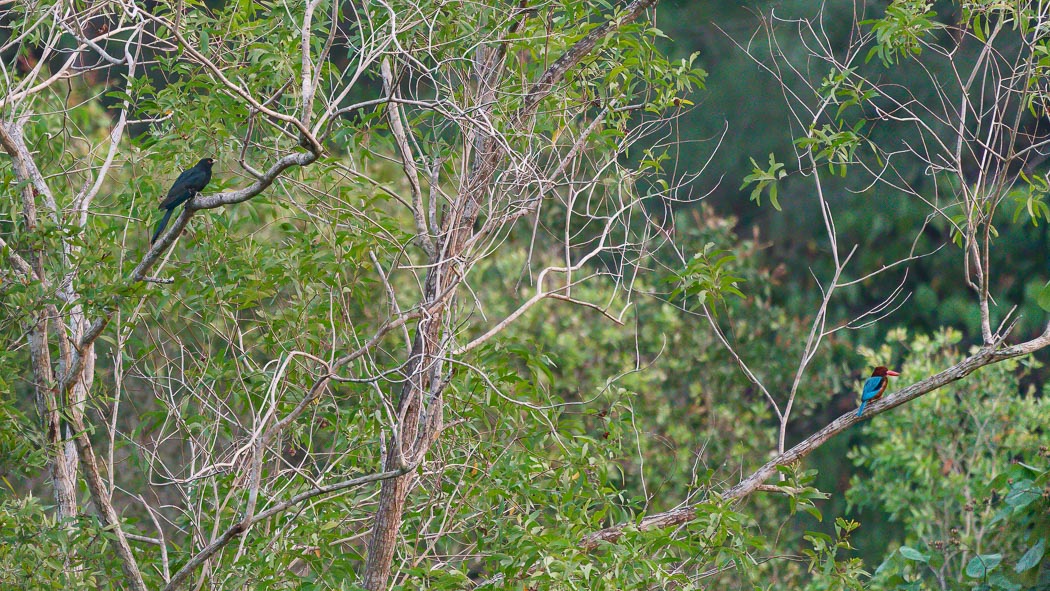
pixel 36 550
pixel 764 180
pixel 707 279
pixel 900 31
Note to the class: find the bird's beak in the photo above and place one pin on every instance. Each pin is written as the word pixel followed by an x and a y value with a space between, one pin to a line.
pixel 890 372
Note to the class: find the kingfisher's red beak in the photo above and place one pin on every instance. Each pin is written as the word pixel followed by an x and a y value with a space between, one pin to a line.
pixel 890 372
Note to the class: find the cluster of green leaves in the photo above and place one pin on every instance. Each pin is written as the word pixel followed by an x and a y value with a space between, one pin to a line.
pixel 985 17
pixel 901 30
pixel 1030 198
pixel 38 552
pixel 1021 493
pixel 764 180
pixel 835 145
pixel 21 450
pixel 797 485
pixel 824 558
pixel 707 279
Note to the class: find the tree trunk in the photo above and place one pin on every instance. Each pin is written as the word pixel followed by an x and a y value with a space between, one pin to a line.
pixel 411 440
pixel 392 499
pixel 61 451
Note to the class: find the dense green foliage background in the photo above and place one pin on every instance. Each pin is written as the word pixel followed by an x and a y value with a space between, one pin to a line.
pixel 566 422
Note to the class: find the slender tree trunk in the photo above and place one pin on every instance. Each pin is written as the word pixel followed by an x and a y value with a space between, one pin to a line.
pixel 50 400
pixel 62 458
pixel 93 476
pixel 411 441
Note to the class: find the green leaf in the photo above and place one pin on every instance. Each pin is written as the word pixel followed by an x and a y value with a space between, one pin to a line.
pixel 812 510
pixel 999 581
pixel 1022 494
pixel 885 566
pixel 1032 557
pixel 913 554
pixel 765 179
pixel 982 564
pixel 1043 299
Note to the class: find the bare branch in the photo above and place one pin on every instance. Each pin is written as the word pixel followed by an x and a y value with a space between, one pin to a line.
pixel 408 161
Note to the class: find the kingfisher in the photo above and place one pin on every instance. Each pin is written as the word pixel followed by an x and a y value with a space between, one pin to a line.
pixel 875 386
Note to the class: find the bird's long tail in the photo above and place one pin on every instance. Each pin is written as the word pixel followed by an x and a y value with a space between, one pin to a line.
pixel 861 409
pixel 160 227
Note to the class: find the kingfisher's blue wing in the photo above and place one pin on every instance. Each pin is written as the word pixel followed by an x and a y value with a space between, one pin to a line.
pixel 872 387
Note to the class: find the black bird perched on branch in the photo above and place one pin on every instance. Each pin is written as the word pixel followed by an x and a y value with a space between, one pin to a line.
pixel 189 183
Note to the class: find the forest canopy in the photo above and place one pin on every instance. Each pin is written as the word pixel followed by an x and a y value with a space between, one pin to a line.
pixel 540 295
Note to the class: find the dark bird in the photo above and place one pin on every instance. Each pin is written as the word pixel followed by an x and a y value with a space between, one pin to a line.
pixel 875 386
pixel 189 183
